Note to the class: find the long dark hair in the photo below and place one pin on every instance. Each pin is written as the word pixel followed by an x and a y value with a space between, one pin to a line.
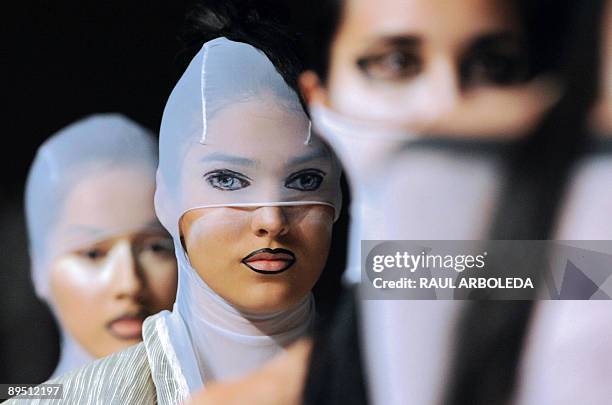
pixel 491 334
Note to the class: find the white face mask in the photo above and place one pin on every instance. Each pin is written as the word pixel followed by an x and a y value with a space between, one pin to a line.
pixel 92 181
pixel 219 114
pixel 63 215
pixel 406 187
pixel 234 134
pixel 403 190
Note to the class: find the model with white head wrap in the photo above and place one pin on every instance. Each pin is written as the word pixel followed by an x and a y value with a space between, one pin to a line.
pixel 100 258
pixel 234 143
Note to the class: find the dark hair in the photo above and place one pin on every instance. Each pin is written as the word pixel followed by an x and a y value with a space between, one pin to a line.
pixel 264 24
pixel 320 22
pixel 544 22
pixel 491 334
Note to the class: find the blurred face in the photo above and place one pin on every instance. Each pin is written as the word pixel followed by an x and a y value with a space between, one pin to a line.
pixel 260 259
pixel 430 65
pixel 604 108
pixel 103 289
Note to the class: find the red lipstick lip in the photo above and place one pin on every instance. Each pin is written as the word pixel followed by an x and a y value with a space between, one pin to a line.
pixel 127 326
pixel 269 261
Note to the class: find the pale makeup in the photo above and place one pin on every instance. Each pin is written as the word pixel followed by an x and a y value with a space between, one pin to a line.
pixel 117 264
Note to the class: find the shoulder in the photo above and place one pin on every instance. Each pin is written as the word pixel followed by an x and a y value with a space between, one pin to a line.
pixel 160 334
pixel 121 378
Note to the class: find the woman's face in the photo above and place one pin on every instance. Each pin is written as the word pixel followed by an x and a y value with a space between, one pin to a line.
pixel 102 291
pixel 260 258
pixel 428 64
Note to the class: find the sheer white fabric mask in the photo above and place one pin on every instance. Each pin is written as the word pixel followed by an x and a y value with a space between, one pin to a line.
pixel 402 192
pixel 233 82
pixel 71 205
pixel 233 134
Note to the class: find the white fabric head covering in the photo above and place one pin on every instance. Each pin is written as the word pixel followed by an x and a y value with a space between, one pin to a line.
pixel 217 116
pixel 75 157
pixel 400 191
pixel 226 79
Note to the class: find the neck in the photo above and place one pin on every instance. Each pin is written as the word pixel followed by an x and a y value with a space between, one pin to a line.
pixel 227 341
pixel 199 303
pixel 72 356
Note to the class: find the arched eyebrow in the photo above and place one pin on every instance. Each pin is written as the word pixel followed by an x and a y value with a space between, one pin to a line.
pixel 225 158
pixel 315 154
pixel 395 40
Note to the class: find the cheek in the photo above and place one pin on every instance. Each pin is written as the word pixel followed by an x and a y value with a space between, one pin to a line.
pixel 314 232
pixel 74 284
pixel 354 95
pixel 348 92
pixel 79 298
pixel 161 280
pixel 212 229
pixel 212 236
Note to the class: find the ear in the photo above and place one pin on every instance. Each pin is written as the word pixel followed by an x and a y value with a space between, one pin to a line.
pixel 312 89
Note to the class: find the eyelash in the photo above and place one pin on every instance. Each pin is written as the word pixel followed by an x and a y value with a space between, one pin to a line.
pixel 317 174
pixel 485 67
pixel 480 66
pixel 159 247
pixel 393 65
pixel 93 254
pixel 214 179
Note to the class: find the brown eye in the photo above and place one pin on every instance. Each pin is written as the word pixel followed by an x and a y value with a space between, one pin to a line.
pixel 494 69
pixel 495 62
pixel 305 180
pixel 159 246
pixel 93 254
pixel 392 65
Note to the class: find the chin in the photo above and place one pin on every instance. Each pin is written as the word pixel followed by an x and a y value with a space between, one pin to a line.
pixel 263 307
pixel 270 298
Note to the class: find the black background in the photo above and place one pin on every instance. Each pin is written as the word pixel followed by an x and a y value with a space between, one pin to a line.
pixel 62 61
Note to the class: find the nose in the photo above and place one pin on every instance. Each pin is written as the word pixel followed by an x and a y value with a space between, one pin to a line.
pixel 269 222
pixel 442 91
pixel 126 275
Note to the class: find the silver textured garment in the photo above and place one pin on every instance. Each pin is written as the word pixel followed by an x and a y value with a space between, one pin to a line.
pixel 142 374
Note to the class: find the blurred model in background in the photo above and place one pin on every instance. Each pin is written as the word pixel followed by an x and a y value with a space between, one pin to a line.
pixel 100 258
pixel 422 101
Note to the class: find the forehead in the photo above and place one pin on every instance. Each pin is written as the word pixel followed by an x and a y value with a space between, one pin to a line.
pixel 118 198
pixel 362 18
pixel 259 130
